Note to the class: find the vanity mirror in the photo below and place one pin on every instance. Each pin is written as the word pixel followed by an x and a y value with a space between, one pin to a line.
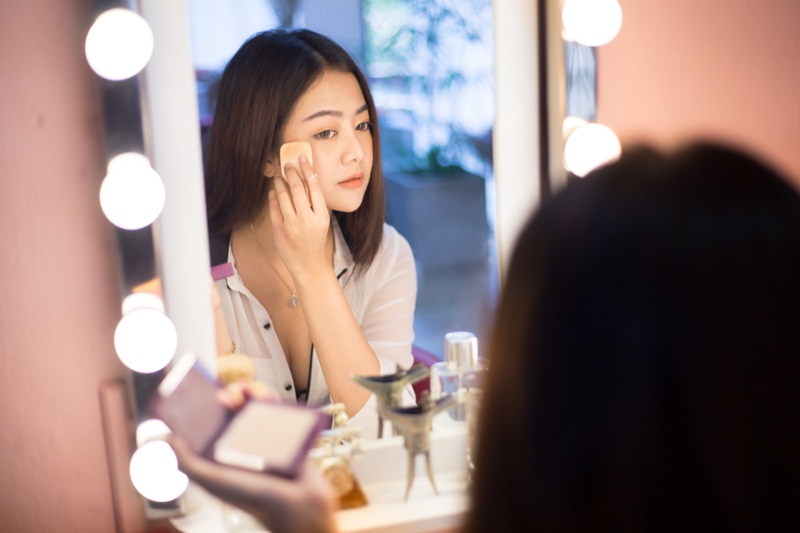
pixel 529 95
pixel 172 139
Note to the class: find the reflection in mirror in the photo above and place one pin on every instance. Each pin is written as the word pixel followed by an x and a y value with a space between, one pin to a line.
pixel 427 62
pixel 581 70
pixel 430 64
pixel 439 172
pixel 478 290
pixel 587 25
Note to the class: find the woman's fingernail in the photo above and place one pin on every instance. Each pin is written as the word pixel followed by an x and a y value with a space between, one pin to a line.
pixel 302 159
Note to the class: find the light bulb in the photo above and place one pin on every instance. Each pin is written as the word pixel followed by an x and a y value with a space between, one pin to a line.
pixel 132 194
pixel 570 124
pixel 589 147
pixel 154 472
pixel 591 22
pixel 145 340
pixel 150 429
pixel 119 44
pixel 139 300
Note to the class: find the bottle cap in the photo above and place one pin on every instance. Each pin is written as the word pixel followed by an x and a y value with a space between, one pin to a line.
pixel 461 348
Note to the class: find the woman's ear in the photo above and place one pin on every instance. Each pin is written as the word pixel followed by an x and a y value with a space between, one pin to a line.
pixel 271 169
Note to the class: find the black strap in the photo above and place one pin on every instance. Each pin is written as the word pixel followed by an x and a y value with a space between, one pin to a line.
pixel 302 395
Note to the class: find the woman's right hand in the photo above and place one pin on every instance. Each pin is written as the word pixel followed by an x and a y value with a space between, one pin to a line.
pixel 300 219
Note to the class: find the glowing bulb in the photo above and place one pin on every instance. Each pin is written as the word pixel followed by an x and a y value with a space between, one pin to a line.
pixel 149 430
pixel 132 194
pixel 154 472
pixel 570 124
pixel 591 22
pixel 589 147
pixel 140 300
pixel 119 44
pixel 145 340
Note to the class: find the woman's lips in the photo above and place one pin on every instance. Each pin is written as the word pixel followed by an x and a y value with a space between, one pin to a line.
pixel 352 183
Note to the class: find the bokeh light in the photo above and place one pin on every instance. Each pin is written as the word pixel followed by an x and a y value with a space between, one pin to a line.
pixel 590 146
pixel 139 300
pixel 151 429
pixel 132 194
pixel 570 124
pixel 591 22
pixel 145 340
pixel 119 44
pixel 154 472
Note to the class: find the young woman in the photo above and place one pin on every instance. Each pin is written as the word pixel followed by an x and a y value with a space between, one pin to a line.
pixel 322 289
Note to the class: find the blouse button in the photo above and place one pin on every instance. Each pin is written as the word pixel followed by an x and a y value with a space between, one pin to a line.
pixel 288 387
pixel 267 325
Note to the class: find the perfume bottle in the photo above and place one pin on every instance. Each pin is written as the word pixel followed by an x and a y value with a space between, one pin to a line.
pixel 447 377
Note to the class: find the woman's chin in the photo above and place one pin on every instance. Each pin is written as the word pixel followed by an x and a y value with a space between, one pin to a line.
pixel 345 206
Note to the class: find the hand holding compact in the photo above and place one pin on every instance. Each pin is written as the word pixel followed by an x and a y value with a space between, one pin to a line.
pixel 305 503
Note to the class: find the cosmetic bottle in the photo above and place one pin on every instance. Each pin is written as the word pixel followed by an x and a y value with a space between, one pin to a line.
pixel 447 377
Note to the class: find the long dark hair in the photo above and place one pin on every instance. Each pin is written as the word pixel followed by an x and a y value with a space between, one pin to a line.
pixel 258 90
pixel 645 362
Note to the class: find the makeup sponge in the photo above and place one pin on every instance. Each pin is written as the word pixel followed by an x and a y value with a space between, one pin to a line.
pixel 290 152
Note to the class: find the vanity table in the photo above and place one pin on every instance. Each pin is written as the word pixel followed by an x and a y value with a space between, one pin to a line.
pixel 381 470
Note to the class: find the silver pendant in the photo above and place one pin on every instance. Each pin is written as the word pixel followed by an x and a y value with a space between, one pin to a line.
pixel 294 301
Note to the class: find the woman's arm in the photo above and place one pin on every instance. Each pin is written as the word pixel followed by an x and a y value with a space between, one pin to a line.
pixel 300 229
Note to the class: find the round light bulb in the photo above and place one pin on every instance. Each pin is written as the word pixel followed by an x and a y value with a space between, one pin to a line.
pixel 589 147
pixel 119 44
pixel 591 22
pixel 154 472
pixel 149 430
pixel 145 340
pixel 570 124
pixel 132 194
pixel 141 300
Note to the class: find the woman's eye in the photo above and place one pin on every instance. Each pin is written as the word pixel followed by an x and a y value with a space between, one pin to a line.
pixel 364 126
pixel 327 134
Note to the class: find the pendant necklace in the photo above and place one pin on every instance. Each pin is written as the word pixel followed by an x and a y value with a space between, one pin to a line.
pixel 293 301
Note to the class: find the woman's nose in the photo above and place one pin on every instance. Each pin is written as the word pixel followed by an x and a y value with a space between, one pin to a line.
pixel 355 149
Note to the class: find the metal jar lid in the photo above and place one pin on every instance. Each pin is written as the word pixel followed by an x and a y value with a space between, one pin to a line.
pixel 461 348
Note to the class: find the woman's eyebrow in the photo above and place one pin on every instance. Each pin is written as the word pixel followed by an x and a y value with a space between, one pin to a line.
pixel 333 113
pixel 323 113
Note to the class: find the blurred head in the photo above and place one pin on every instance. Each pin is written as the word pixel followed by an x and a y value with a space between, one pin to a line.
pixel 646 354
pixel 265 87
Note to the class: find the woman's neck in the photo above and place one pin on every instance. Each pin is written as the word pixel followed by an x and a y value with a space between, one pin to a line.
pixel 260 230
pixel 259 233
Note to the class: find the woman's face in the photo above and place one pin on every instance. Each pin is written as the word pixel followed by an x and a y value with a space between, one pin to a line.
pixel 332 116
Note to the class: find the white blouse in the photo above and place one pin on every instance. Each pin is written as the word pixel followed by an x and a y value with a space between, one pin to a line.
pixel 382 299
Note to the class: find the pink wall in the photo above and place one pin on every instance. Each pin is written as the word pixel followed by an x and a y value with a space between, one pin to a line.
pixel 717 68
pixel 59 301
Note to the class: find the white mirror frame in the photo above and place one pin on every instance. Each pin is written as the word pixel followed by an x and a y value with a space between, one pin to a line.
pixel 172 140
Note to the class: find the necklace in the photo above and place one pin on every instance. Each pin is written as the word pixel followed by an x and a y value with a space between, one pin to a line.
pixel 293 301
